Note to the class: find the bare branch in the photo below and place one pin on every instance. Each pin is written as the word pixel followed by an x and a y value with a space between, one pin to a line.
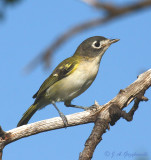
pixel 112 9
pixel 90 2
pixel 49 124
pixel 112 12
pixel 2 134
pixel 111 116
pixel 129 116
pixel 96 136
pixel 47 54
pixel 102 116
pixel 1 152
pixel 98 5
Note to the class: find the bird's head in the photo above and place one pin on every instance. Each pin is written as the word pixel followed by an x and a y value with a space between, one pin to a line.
pixel 94 46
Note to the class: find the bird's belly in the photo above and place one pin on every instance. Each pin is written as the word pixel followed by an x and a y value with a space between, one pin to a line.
pixel 73 85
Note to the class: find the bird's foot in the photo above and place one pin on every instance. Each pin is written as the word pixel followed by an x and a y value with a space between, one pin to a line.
pixel 75 106
pixel 64 119
pixel 91 107
pixel 81 107
pixel 94 106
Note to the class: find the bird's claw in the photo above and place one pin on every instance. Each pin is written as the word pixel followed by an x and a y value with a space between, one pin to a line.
pixel 64 119
pixel 91 107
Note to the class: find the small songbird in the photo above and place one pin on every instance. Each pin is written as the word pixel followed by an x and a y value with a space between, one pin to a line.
pixel 70 78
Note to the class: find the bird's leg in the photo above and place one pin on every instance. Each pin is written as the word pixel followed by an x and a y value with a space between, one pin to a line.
pixel 68 104
pixel 64 119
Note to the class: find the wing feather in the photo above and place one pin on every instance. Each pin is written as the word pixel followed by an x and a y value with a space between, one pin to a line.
pixel 61 71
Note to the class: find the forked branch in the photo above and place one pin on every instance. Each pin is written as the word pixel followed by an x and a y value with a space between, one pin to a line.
pixel 101 116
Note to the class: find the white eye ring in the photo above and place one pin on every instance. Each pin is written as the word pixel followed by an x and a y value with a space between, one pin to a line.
pixel 95 45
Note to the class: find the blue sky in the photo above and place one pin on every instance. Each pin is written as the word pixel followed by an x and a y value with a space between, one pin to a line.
pixel 28 29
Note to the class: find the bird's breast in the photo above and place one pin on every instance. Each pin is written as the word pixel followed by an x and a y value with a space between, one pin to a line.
pixel 74 84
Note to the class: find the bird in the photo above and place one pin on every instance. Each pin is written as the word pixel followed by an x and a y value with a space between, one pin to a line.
pixel 70 78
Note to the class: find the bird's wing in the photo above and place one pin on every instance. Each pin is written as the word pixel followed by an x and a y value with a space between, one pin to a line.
pixel 65 68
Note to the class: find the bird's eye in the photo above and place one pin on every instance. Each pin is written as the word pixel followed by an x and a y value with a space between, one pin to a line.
pixel 96 44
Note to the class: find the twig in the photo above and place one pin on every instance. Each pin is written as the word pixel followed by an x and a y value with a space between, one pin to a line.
pixel 2 134
pixel 45 56
pixel 112 12
pixel 96 136
pixel 1 153
pixel 90 2
pixel 103 121
pixel 129 116
pixel 98 5
pixel 102 124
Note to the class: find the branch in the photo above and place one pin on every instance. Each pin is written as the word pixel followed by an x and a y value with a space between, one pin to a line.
pixel 102 124
pixel 112 9
pixel 96 136
pixel 129 116
pixel 113 114
pixel 112 12
pixel 102 116
pixel 98 5
pixel 2 134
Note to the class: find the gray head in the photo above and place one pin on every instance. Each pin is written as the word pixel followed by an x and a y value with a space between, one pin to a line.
pixel 94 46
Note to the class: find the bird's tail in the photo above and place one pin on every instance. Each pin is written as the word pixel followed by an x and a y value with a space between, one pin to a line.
pixel 27 115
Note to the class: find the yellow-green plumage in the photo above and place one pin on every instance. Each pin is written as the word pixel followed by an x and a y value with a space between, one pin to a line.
pixel 65 68
pixel 62 70
pixel 71 77
pixel 27 115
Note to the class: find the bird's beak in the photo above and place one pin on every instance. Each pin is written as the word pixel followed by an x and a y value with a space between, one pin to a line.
pixel 113 41
pixel 108 42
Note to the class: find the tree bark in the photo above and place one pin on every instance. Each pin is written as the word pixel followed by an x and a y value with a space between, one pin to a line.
pixel 101 116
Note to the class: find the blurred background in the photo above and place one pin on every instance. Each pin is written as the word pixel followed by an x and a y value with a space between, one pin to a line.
pixel 27 29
